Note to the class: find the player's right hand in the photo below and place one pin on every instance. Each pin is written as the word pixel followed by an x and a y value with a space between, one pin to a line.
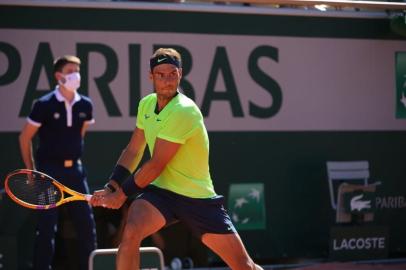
pixel 97 198
pixel 106 198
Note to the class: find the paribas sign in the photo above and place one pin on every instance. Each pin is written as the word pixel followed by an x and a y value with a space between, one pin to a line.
pixel 390 202
pixel 241 83
pixel 220 66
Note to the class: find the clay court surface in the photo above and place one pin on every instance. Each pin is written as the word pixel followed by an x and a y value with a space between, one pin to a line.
pixel 350 266
pixel 401 265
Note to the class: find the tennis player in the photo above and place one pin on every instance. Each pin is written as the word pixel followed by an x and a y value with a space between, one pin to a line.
pixel 61 118
pixel 175 183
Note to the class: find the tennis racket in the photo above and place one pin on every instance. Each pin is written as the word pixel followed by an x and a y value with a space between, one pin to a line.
pixel 37 190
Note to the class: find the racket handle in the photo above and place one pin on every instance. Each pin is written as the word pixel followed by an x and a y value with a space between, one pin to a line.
pixel 88 197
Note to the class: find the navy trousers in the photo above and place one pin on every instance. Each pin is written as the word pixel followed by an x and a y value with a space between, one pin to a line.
pixel 80 213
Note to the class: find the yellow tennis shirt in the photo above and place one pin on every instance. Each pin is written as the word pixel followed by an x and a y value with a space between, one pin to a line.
pixel 180 122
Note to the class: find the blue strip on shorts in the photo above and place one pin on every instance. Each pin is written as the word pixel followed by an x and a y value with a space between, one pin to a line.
pixel 199 215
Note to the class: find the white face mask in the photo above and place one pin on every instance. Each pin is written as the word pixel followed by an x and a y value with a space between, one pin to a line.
pixel 71 81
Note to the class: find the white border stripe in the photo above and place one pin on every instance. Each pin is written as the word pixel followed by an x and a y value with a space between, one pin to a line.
pixel 201 7
pixel 90 122
pixel 34 123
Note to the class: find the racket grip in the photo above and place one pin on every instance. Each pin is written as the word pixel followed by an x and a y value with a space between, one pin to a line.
pixel 88 197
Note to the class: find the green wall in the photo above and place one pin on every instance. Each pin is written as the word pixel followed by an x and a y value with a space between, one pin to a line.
pixel 292 165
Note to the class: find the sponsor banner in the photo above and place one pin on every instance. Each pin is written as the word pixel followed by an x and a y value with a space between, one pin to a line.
pixel 359 202
pixel 401 84
pixel 359 242
pixel 390 202
pixel 240 82
pixel 246 204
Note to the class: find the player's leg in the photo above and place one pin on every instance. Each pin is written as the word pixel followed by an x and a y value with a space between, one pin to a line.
pixel 143 219
pixel 209 220
pixel 83 221
pixel 45 239
pixel 47 225
pixel 231 249
pixel 82 218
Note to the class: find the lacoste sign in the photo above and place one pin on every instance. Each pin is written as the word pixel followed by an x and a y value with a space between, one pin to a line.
pixel 358 204
pixel 358 242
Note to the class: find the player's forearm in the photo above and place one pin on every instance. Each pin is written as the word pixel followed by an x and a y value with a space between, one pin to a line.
pixel 26 152
pixel 84 129
pixel 130 159
pixel 142 178
pixel 148 173
pixel 126 164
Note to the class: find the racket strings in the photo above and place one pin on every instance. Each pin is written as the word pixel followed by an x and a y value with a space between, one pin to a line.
pixel 34 189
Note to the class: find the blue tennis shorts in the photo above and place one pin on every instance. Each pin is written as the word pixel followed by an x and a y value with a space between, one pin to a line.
pixel 199 215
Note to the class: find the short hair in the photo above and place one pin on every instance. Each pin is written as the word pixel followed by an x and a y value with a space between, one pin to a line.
pixel 172 53
pixel 60 62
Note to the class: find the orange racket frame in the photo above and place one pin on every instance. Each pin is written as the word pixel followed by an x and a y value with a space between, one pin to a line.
pixel 75 196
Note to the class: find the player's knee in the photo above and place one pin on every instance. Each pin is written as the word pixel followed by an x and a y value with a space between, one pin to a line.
pixel 251 265
pixel 133 232
pixel 246 264
pixel 258 267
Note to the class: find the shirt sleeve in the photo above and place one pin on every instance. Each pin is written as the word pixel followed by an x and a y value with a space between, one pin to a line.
pixel 37 115
pixel 140 119
pixel 181 126
pixel 89 116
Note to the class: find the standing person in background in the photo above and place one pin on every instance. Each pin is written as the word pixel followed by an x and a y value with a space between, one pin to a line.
pixel 61 119
pixel 175 183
